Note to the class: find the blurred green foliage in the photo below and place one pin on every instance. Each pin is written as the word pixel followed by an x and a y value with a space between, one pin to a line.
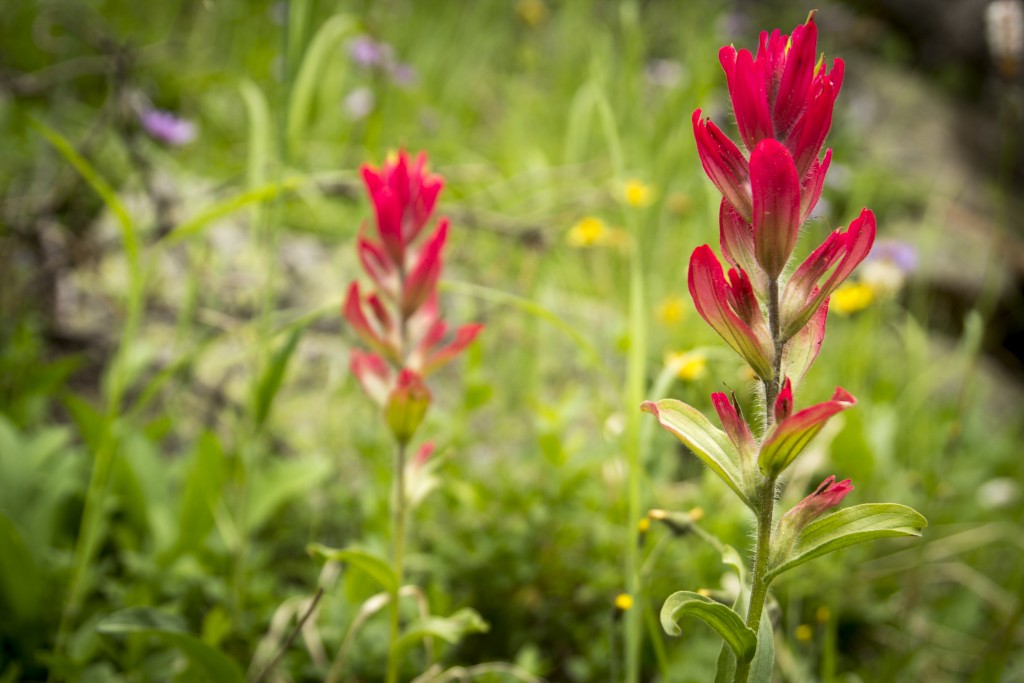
pixel 217 431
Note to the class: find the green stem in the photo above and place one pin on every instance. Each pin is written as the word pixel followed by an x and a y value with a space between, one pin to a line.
pixel 766 502
pixel 635 374
pixel 759 586
pixel 398 559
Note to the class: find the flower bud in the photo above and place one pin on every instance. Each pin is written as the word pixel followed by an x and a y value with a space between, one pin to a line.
pixel 407 406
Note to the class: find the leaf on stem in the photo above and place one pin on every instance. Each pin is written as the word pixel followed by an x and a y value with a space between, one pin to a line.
pixel 723 620
pixel 709 443
pixel 171 630
pixel 850 526
pixel 451 629
pixel 375 566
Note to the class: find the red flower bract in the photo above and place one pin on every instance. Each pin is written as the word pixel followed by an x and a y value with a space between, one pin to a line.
pixel 401 321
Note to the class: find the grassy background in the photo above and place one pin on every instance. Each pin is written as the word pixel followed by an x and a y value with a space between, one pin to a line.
pixel 177 420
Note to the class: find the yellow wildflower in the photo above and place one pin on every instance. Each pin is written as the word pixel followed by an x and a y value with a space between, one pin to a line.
pixel 697 514
pixel 643 525
pixel 823 614
pixel 624 601
pixel 851 297
pixel 688 365
pixel 636 193
pixel 671 310
pixel 587 232
pixel 533 12
pixel 804 633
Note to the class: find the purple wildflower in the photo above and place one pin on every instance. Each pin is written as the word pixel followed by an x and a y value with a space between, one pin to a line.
pixel 369 53
pixel 167 128
pixel 900 254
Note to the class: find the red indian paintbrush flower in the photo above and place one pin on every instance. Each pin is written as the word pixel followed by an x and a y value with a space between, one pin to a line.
pixel 731 308
pixel 828 495
pixel 784 92
pixel 400 320
pixel 793 432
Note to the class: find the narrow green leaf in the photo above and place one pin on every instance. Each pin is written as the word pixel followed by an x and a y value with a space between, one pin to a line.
pixel 723 620
pixel 709 443
pixel 264 193
pixel 375 566
pixel 451 629
pixel 201 492
pixel 273 375
pixel 280 483
pixel 20 580
pixel 850 526
pixel 321 49
pixel 764 659
pixel 138 619
pixel 171 630
pixel 97 183
pixel 258 114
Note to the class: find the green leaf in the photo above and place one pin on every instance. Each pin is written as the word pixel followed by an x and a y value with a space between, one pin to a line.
pixel 723 620
pixel 98 184
pixel 258 114
pixel 276 485
pixel 321 49
pixel 201 492
pixel 20 579
pixel 709 443
pixel 764 659
pixel 273 375
pixel 375 566
pixel 848 527
pixel 451 629
pixel 171 630
pixel 205 217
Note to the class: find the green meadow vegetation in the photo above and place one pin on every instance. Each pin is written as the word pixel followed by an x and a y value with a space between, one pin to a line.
pixel 184 451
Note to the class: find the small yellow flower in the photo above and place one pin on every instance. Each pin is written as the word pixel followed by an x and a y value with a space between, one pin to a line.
pixel 823 614
pixel 697 514
pixel 533 12
pixel 636 193
pixel 587 232
pixel 705 592
pixel 643 525
pixel 671 310
pixel 804 633
pixel 624 601
pixel 689 366
pixel 852 297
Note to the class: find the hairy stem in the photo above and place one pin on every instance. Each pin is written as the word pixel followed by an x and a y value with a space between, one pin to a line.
pixel 759 585
pixel 766 503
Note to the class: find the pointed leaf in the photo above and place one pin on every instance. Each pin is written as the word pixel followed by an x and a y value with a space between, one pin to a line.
pixel 171 630
pixel 764 659
pixel 709 443
pixel 273 375
pixel 451 629
pixel 848 527
pixel 723 620
pixel 21 582
pixel 201 493
pixel 375 566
